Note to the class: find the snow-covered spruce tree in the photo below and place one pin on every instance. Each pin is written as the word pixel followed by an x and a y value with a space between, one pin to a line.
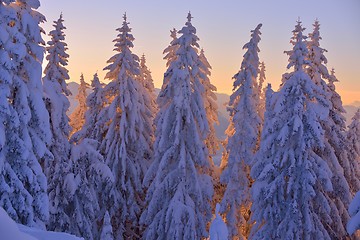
pixel 354 211
pixel 23 191
pixel 170 51
pixel 336 133
pixel 106 232
pixel 126 144
pixel 180 189
pixel 77 118
pixel 242 140
pixel 14 197
pixel 210 105
pixel 211 109
pixel 170 55
pixel 150 97
pixel 57 104
pixel 334 125
pixel 292 182
pixel 261 91
pixel 95 119
pixel 353 139
pixel 90 177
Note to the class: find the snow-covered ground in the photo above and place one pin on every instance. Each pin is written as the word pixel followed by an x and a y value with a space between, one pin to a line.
pixel 10 230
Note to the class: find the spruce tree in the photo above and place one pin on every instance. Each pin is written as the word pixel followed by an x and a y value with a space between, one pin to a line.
pixel 291 192
pixel 126 144
pixel 57 104
pixel 26 131
pixel 261 91
pixel 77 118
pixel 92 180
pixel 170 55
pixel 334 125
pixel 242 140
pixel 150 98
pixel 95 118
pixel 179 187
pixel 170 51
pixel 353 139
pixel 211 108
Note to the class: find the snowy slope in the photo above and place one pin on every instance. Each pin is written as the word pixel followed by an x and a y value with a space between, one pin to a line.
pixel 44 235
pixel 11 231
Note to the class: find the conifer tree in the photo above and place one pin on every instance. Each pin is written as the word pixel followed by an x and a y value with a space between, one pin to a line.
pixel 170 51
pixel 77 118
pixel 57 104
pixel 179 187
pixel 261 91
pixel 334 125
pixel 95 120
pixel 126 146
pixel 170 55
pixel 353 139
pixel 210 105
pixel 148 83
pixel 26 131
pixel 336 129
pixel 292 182
pixel 14 198
pixel 89 182
pixel 243 134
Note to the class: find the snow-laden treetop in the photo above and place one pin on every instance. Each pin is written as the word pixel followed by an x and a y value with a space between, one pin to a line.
pixel 298 55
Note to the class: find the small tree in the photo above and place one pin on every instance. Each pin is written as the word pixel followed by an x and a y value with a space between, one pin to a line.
pixel 150 100
pixel 261 91
pixel 211 108
pixel 170 51
pixel 242 141
pixel 95 118
pixel 77 118
pixel 353 138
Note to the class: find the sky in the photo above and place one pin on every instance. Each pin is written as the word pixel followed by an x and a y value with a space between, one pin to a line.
pixel 223 28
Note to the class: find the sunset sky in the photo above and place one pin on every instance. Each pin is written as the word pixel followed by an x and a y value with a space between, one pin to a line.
pixel 223 28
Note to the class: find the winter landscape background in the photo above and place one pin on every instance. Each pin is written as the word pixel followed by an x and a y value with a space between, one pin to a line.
pixel 129 149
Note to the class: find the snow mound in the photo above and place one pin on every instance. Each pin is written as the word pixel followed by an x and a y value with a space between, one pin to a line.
pixel 218 228
pixel 11 231
pixel 37 234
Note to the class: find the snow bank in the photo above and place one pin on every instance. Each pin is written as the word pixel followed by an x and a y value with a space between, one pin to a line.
pixel 11 231
pixel 37 234
pixel 218 228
